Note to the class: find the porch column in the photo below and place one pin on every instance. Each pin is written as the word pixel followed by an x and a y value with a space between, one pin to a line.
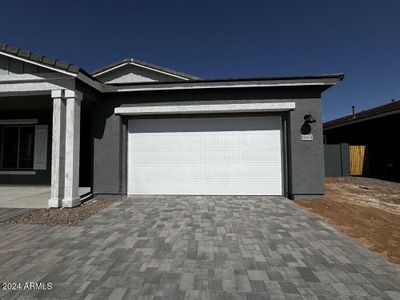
pixel 72 147
pixel 58 149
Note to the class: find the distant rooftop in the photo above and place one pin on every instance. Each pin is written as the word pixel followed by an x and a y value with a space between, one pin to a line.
pixel 376 112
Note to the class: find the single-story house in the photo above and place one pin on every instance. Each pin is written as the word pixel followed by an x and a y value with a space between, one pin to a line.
pixel 133 128
pixel 374 148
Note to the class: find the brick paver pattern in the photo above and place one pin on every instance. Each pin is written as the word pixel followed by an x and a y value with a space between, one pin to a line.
pixel 195 247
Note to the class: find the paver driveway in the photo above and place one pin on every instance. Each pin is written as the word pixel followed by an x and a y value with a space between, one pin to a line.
pixel 195 247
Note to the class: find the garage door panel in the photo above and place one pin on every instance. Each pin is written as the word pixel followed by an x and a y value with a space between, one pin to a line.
pixel 205 156
pixel 207 172
pixel 193 125
pixel 199 187
pixel 210 155
pixel 166 156
pixel 240 155
pixel 208 140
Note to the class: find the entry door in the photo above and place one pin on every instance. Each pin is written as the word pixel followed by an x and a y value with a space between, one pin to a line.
pixel 205 156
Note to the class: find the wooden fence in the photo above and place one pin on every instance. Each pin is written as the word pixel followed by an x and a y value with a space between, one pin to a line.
pixel 358 160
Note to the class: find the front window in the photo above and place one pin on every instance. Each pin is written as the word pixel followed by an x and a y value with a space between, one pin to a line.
pixel 17 147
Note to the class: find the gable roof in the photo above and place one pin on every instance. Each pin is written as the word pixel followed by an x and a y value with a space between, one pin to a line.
pixel 188 82
pixel 132 61
pixel 41 59
pixel 372 113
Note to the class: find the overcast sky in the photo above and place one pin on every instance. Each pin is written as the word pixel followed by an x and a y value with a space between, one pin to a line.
pixel 225 39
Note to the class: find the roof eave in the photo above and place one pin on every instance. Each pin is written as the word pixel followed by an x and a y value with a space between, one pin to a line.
pixel 322 81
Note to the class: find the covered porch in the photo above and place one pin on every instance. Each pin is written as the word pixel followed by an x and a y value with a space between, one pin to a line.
pixel 45 149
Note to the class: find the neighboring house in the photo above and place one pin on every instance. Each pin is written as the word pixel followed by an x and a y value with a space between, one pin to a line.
pixel 371 134
pixel 136 128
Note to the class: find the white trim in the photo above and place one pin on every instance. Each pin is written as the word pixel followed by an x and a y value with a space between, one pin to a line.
pixel 73 94
pixel 40 147
pixel 196 108
pixel 18 121
pixel 193 87
pixel 110 69
pixel 17 172
pixel 141 66
pixel 72 146
pixel 58 150
pixel 57 93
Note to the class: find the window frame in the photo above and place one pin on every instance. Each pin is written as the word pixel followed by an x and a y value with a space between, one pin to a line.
pixel 19 126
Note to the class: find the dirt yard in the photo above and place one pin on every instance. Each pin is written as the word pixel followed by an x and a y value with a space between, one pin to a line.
pixel 366 209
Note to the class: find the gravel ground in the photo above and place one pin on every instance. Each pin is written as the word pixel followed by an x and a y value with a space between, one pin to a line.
pixel 366 209
pixel 63 216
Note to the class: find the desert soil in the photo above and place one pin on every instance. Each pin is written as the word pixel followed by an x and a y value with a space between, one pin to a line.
pixel 366 209
pixel 63 216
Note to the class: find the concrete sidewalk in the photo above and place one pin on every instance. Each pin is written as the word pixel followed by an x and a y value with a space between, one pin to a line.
pixel 28 196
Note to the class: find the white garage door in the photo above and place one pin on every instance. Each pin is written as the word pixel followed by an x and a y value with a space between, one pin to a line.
pixel 205 156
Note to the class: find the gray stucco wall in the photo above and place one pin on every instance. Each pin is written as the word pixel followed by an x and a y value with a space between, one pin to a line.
pixel 106 149
pixel 337 162
pixel 306 157
pixel 305 162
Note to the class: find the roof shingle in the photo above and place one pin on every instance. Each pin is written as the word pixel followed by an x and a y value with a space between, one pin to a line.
pixel 42 59
pixel 58 64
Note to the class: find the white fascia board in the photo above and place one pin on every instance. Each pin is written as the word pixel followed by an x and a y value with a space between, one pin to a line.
pixel 216 86
pixel 110 69
pixel 206 108
pixel 141 66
